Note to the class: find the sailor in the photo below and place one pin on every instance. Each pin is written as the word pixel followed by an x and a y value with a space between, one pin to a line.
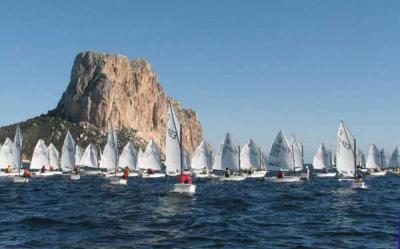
pixel 280 174
pixel 9 169
pixel 43 169
pixel 76 170
pixel 227 172
pixel 126 173
pixel 185 179
pixel 51 168
pixel 26 174
pixel 150 171
pixel 204 170
pixel 325 170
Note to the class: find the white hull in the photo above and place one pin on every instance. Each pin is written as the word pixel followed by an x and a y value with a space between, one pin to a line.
pixel 361 185
pixel 118 181
pixel 326 175
pixel 202 176
pixel 379 173
pixel 75 177
pixel 4 174
pixel 284 179
pixel 184 188
pixel 19 179
pixel 234 178
pixel 155 175
pixel 47 173
pixel 257 175
pixel 346 180
pixel 90 172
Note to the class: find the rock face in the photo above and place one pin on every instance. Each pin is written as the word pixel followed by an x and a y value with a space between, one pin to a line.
pixel 106 87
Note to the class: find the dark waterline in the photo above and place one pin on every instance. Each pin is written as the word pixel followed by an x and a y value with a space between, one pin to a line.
pixel 57 213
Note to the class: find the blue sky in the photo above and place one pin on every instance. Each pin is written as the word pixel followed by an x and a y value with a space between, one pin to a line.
pixel 252 68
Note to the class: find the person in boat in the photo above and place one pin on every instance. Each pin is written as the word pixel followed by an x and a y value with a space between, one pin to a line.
pixel 280 174
pixel 325 171
pixel 26 174
pixel 51 168
pixel 204 170
pixel 376 170
pixel 43 169
pixel 126 173
pixel 9 169
pixel 185 179
pixel 76 170
pixel 227 173
pixel 150 171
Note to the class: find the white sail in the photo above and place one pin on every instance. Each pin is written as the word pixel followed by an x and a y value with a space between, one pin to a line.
pixel 150 159
pixel 40 156
pixel 128 157
pixel 139 160
pixel 78 155
pixel 297 148
pixel 6 157
pixel 280 157
pixel 394 161
pixel 321 158
pixel 384 163
pixel 250 156
pixel 264 161
pixel 109 156
pixel 54 157
pixel 172 143
pixel 360 158
pixel 345 162
pixel 202 157
pixel 89 158
pixel 373 159
pixel 227 156
pixel 68 153
pixel 17 149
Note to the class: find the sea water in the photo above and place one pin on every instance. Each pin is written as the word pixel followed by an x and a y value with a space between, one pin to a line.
pixel 55 212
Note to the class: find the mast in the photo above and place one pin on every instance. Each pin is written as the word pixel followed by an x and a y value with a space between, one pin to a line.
pixel 355 156
pixel 239 158
pixel 294 165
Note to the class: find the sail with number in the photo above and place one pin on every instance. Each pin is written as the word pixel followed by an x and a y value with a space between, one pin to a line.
pixel 17 149
pixel 374 158
pixel 321 158
pixel 89 157
pixel 54 157
pixel 202 157
pixel 172 144
pixel 394 161
pixel 128 157
pixel 250 157
pixel 6 158
pixel 345 153
pixel 150 159
pixel 40 156
pixel 68 153
pixel 280 156
pixel 227 156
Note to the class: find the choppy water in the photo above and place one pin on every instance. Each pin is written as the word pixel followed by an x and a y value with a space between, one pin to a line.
pixel 90 213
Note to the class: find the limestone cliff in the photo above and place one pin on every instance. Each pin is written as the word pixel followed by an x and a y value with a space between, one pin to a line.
pixel 109 87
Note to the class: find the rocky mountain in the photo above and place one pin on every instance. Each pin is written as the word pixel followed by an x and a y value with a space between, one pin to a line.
pixel 110 88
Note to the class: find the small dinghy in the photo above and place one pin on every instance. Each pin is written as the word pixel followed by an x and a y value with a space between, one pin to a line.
pixel 149 161
pixel 75 177
pixel 326 175
pixel 284 179
pixel 258 174
pixel 19 179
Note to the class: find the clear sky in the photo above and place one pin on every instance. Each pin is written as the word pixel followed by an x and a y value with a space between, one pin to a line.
pixel 248 67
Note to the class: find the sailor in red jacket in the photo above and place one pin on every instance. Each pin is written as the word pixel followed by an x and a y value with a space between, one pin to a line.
pixel 185 179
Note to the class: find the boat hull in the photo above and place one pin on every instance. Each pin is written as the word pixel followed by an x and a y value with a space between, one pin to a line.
pixel 155 175
pixel 75 177
pixel 19 179
pixel 182 188
pixel 284 179
pixel 379 173
pixel 118 181
pixel 326 175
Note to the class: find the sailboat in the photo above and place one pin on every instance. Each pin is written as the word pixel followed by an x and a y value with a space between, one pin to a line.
pixel 128 159
pixel 150 161
pixel 67 163
pixel 394 162
pixel 78 155
pixel 109 157
pixel 40 159
pixel 346 157
pixel 282 159
pixel 228 159
pixel 322 162
pixel 54 160
pixel 17 157
pixel 251 160
pixel 201 163
pixel 6 158
pixel 298 154
pixel 89 163
pixel 374 162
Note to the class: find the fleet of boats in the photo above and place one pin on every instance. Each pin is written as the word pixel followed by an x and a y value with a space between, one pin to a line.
pixel 229 163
